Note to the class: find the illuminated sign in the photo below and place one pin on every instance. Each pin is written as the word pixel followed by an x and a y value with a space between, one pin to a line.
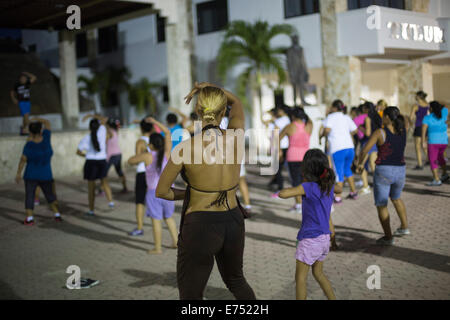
pixel 416 32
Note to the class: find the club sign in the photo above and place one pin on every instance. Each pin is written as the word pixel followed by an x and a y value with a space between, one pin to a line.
pixel 416 32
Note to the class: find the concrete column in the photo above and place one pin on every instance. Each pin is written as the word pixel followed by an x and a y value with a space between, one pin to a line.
pixel 180 58
pixel 68 79
pixel 342 74
pixel 91 47
pixel 412 78
pixel 417 5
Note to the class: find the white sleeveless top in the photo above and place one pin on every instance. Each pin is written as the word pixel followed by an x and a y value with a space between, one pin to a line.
pixel 141 166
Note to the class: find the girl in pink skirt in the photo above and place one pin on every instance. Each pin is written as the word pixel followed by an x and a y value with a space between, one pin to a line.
pixel 155 160
pixel 313 239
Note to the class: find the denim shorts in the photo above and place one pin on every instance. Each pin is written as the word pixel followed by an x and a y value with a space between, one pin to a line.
pixel 388 182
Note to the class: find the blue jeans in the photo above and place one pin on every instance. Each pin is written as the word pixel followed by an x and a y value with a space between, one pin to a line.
pixel 343 160
pixel 388 182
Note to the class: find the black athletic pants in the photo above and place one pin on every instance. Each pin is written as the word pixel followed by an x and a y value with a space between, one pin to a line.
pixel 205 236
pixel 30 191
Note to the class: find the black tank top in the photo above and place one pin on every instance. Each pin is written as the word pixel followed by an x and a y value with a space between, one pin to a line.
pixel 392 151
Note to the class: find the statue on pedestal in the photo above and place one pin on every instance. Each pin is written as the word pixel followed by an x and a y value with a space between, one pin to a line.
pixel 298 72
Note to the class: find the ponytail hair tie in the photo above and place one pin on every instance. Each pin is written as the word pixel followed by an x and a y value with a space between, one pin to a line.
pixel 324 173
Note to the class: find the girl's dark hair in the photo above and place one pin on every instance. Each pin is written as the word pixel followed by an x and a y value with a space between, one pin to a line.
pixel 374 116
pixel 146 126
pixel 436 109
pixel 35 127
pixel 339 105
pixel 299 113
pixel 114 123
pixel 316 168
pixel 157 140
pixel 93 126
pixel 398 121
pixel 422 95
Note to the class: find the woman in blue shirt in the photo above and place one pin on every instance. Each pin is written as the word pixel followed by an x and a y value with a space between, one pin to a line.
pixel 435 124
pixel 37 155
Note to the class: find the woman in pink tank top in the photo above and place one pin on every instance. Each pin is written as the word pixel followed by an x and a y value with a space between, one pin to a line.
pixel 299 133
pixel 113 153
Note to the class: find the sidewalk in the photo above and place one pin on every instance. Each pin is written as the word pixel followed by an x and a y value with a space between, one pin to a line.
pixel 34 259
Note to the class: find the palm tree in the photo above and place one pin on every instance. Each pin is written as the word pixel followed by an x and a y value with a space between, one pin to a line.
pixel 91 86
pixel 142 96
pixel 250 44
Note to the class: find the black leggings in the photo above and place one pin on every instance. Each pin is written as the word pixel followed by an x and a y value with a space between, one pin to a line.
pixel 30 191
pixel 205 236
pixel 278 179
pixel 295 171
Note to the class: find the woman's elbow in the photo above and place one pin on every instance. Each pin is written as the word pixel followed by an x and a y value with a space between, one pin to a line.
pixel 159 193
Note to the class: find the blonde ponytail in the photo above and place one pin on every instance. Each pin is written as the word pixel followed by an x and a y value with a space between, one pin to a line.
pixel 211 102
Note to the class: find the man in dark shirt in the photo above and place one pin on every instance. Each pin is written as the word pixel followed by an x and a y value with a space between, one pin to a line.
pixel 20 96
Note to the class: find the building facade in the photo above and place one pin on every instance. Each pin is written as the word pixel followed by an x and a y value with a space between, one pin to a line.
pixel 352 49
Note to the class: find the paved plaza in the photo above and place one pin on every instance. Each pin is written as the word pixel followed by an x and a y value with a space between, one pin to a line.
pixel 33 260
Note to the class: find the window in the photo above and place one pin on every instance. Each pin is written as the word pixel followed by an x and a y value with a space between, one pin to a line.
pixel 81 45
pixel 113 98
pixel 212 16
pixel 295 8
pixel 357 4
pixel 160 28
pixel 165 91
pixel 107 39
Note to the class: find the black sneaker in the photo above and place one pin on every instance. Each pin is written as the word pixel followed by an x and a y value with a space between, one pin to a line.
pixel 418 167
pixel 88 283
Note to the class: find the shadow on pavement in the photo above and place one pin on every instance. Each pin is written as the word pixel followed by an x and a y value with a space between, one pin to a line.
pixel 356 242
pixel 427 191
pixel 95 235
pixel 146 279
pixel 271 239
pixel 269 216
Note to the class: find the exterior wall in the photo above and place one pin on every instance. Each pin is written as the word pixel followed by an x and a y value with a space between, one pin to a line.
pixel 342 74
pixel 441 83
pixel 64 161
pixel 380 81
pixel 412 78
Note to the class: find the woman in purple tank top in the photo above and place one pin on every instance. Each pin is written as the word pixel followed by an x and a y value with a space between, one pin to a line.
pixel 418 112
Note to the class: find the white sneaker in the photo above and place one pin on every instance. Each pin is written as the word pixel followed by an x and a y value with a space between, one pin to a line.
pixel 111 205
pixel 365 190
pixel 401 232
pixel 359 183
pixel 296 209
pixel 385 242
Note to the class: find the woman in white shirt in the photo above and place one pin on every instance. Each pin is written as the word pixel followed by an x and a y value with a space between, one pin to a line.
pixel 339 129
pixel 93 148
